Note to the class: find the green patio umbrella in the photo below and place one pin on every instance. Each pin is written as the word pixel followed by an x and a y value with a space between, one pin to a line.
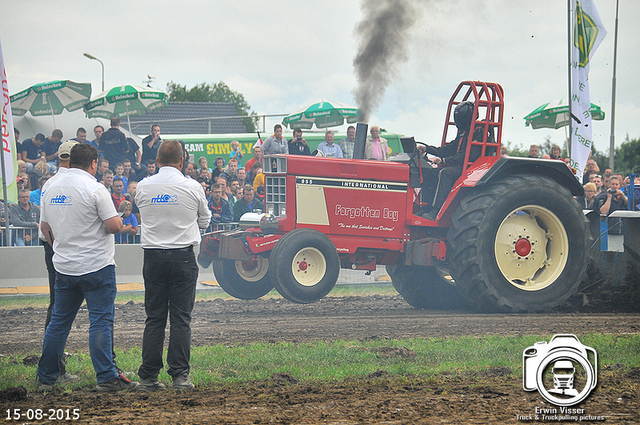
pixel 556 115
pixel 125 100
pixel 322 114
pixel 50 98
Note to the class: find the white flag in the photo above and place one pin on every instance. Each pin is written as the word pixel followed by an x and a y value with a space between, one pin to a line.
pixel 8 139
pixel 588 33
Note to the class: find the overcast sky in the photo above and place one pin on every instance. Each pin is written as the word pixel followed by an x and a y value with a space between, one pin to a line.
pixel 284 55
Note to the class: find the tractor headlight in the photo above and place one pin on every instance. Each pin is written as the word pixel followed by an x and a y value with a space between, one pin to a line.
pixel 268 224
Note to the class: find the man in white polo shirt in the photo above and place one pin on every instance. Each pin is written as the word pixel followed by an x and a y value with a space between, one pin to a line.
pixel 64 155
pixel 78 220
pixel 173 209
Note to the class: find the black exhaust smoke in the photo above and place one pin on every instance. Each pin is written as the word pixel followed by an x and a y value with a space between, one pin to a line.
pixel 361 140
pixel 383 34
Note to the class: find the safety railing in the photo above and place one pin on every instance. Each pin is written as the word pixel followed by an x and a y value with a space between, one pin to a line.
pixel 28 236
pixel 124 239
pixel 19 236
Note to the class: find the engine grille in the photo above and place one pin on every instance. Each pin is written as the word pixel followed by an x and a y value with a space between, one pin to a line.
pixel 276 198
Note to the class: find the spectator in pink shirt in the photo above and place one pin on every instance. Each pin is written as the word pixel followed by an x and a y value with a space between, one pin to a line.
pixel 376 147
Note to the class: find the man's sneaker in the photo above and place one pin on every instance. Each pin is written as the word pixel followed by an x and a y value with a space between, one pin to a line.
pixel 42 387
pixel 150 384
pixel 63 378
pixel 182 383
pixel 128 375
pixel 119 383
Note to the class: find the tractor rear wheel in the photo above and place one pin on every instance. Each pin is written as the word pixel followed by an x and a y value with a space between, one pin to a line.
pixel 246 280
pixel 520 244
pixel 304 266
pixel 423 287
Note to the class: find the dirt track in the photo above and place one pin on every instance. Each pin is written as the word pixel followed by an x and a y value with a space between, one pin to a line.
pixel 494 396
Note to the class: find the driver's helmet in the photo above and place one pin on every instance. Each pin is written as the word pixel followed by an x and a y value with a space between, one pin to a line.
pixel 463 114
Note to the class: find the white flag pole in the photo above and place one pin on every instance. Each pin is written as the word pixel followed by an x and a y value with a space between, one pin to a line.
pixel 612 138
pixel 569 52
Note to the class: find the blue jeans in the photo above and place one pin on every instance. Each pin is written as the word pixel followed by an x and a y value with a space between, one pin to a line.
pixel 99 289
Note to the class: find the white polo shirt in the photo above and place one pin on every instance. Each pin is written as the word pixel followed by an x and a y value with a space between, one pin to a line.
pixel 61 171
pixel 75 205
pixel 173 209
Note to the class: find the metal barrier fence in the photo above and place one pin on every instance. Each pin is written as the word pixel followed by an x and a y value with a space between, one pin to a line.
pixel 19 236
pixel 221 226
pixel 28 236
pixel 346 276
pixel 135 239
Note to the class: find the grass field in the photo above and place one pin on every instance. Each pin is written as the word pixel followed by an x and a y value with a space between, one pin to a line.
pixel 328 360
pixel 337 360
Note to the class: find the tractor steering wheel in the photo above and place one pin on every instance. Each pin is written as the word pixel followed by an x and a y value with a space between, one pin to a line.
pixel 426 158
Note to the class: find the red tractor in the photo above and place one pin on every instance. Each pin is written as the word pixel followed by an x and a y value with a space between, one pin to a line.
pixel 510 233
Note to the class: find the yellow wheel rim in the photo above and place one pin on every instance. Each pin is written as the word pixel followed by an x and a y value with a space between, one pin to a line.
pixel 309 266
pixel 531 248
pixel 253 270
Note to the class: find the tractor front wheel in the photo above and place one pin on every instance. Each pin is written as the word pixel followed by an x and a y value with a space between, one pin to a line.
pixel 304 266
pixel 246 280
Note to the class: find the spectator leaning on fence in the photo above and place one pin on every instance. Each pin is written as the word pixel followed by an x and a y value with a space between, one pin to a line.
pixel 609 201
pixel 129 223
pixel 27 215
pixel 612 199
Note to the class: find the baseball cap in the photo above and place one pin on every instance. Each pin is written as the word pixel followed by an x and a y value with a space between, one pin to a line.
pixel 64 151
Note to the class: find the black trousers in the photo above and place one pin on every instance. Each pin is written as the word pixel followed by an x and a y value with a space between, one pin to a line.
pixel 170 277
pixel 437 184
pixel 446 179
pixel 48 260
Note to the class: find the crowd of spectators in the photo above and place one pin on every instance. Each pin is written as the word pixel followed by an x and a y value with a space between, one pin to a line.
pixel 229 187
pixel 121 165
pixel 604 193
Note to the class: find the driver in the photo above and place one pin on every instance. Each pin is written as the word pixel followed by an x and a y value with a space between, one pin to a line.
pixel 450 160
